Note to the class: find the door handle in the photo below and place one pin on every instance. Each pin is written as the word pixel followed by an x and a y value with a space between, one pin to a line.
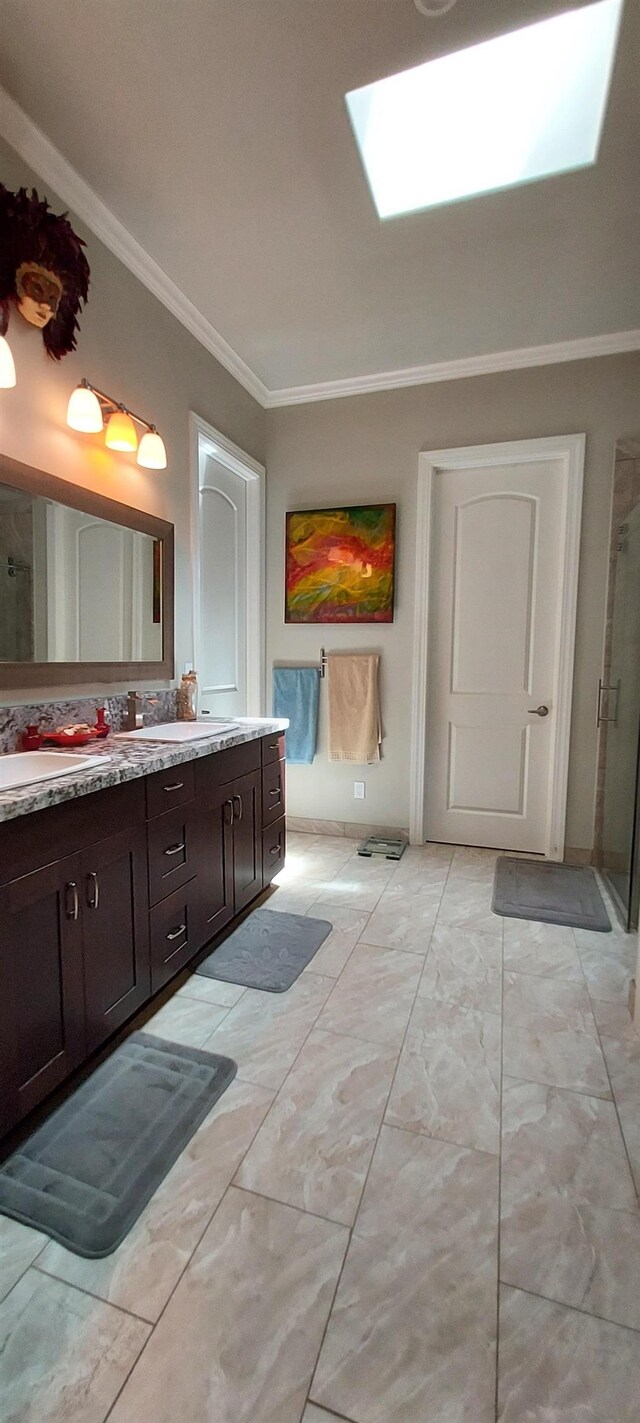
pixel 538 711
pixel 175 786
pixel 237 814
pixel 93 890
pixel 72 908
pixel 174 849
pixel 175 933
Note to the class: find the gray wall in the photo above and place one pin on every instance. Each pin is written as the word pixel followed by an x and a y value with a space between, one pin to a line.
pixel 365 449
pixel 131 346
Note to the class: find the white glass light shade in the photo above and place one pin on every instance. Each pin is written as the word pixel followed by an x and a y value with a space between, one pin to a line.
pixel 7 368
pixel 152 453
pixel 83 411
pixel 121 432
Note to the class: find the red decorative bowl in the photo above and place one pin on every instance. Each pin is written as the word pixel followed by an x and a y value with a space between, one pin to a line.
pixel 63 738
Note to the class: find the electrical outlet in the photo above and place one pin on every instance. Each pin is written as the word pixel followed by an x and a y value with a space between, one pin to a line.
pixel 358 790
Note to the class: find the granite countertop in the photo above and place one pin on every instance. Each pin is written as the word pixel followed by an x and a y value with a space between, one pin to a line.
pixel 126 760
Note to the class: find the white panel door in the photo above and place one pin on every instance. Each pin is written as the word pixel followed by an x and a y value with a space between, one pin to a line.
pixel 494 646
pixel 222 638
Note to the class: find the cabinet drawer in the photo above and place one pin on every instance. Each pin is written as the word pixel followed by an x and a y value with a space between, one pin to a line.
pixel 274 841
pixel 172 935
pixel 168 788
pixel 223 766
pixel 170 852
pixel 272 792
pixel 273 747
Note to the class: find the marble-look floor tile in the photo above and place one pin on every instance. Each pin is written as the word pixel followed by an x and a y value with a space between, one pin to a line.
pixel 373 997
pixel 314 1148
pixel 210 990
pixel 292 901
pixel 265 1031
pixel 614 1020
pixel 140 1275
pixel 63 1355
pixel 570 1220
pixel 313 1414
pixel 348 927
pixel 238 1339
pixel 359 884
pixel 464 968
pixel 623 1061
pixel 312 828
pixel 471 865
pixel 550 1036
pixel 19 1247
pixel 404 919
pixel 448 1079
pixel 547 950
pixel 186 1021
pixel 466 904
pixel 560 1366
pixel 608 964
pixel 412 1331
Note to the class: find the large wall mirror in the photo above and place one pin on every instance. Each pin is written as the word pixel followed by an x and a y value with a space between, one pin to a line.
pixel 86 585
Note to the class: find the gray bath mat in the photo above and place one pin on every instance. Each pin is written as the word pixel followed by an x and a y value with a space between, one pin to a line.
pixel 86 1173
pixel 554 894
pixel 269 950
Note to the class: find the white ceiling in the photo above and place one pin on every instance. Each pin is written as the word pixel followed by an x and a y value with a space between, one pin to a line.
pixel 216 132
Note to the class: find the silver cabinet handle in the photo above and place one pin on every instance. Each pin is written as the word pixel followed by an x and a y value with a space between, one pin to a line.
pixel 72 908
pixel 538 711
pixel 175 786
pixel 175 933
pixel 273 746
pixel 228 805
pixel 93 890
pixel 174 849
pixel 237 814
pixel 275 850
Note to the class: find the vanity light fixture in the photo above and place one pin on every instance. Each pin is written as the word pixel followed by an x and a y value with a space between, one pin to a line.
pixel 88 407
pixel 7 367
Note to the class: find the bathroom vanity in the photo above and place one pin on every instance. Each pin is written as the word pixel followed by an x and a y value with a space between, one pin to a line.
pixel 113 880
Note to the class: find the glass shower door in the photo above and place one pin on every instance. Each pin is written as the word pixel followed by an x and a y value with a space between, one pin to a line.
pixel 622 712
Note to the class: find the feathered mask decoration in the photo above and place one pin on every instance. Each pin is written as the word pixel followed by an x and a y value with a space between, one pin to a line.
pixel 43 269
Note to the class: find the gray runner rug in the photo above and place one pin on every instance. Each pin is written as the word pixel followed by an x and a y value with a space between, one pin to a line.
pixel 84 1176
pixel 269 950
pixel 552 893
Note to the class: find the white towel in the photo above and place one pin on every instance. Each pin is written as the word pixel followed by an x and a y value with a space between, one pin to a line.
pixel 354 708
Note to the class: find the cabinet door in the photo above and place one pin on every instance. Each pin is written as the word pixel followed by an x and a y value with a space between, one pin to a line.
pixel 247 838
pixel 115 932
pixel 213 887
pixel 41 985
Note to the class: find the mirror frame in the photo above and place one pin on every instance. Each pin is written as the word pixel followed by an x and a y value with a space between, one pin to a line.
pixel 25 675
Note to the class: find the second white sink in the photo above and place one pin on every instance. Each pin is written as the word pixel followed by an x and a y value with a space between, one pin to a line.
pixel 181 730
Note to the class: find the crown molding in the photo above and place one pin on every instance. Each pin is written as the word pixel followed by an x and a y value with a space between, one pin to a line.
pixel 585 348
pixel 36 149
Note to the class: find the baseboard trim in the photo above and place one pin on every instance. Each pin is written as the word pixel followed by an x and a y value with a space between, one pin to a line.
pixel 573 856
pixel 351 829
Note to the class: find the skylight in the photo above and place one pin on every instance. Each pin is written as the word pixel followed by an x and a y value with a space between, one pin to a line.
pixel 507 111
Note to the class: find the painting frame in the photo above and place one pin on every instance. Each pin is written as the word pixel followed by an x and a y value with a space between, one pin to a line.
pixel 340 564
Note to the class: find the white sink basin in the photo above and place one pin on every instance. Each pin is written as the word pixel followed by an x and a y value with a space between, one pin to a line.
pixel 25 768
pixel 181 730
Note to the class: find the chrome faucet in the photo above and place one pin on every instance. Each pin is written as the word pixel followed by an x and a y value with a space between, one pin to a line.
pixel 135 708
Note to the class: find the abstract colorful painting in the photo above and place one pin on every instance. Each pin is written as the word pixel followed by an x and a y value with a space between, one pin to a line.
pixel 340 565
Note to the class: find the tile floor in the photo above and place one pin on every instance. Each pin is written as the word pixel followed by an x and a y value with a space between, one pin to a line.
pixel 438 1124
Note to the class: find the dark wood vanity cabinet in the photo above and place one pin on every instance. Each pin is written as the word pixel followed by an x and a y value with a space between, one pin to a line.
pixel 115 932
pixel 42 1028
pixel 106 897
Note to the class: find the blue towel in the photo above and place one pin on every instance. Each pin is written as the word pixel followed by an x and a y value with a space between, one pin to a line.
pixel 295 695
